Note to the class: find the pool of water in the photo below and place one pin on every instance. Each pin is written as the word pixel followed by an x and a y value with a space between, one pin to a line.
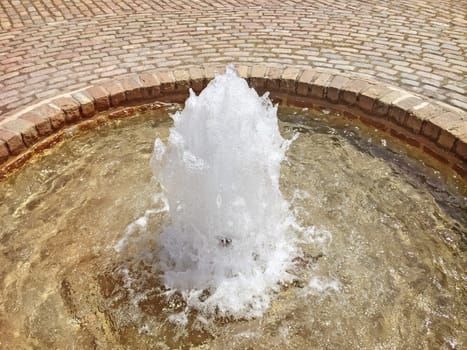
pixel 384 266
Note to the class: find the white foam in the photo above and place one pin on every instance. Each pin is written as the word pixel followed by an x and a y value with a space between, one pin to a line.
pixel 320 284
pixel 230 229
pixel 180 319
pixel 159 205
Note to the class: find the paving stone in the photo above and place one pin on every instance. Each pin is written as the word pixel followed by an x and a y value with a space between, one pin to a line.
pixel 258 73
pixel 182 77
pixel 52 113
pixel 304 81
pixel 382 104
pixel 13 140
pixel 132 87
pixel 353 89
pixel 244 71
pixel 211 71
pixel 289 79
pixel 86 104
pixel 151 85
pixel 445 128
pixel 70 106
pixel 197 78
pixel 319 85
pixel 366 98
pixel 41 123
pixel 335 88
pixel 398 113
pixel 116 94
pixel 4 152
pixel 273 76
pixel 167 81
pixel 24 128
pixel 306 33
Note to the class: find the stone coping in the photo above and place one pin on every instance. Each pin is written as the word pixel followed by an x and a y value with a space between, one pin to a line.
pixel 436 128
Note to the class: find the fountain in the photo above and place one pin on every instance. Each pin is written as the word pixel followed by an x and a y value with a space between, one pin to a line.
pixel 231 233
pixel 247 231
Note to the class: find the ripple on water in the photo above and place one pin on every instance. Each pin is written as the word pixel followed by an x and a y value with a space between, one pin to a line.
pixel 383 266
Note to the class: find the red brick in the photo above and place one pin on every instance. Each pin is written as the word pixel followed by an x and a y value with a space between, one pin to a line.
pixel 398 113
pixel 383 103
pixel 116 92
pixel 405 138
pixel 100 97
pixel 182 80
pixel 319 85
pixel 41 123
pixel 352 89
pixel 273 78
pixel 14 139
pixel 243 71
pixel 211 71
pixel 366 98
pixel 133 88
pixel 446 140
pixel 435 155
pixel 289 79
pixel 373 123
pixel 335 88
pixel 70 106
pixel 460 148
pixel 432 127
pixel 304 82
pixel 167 81
pixel 53 113
pixel 150 84
pixel 258 79
pixel 86 104
pixel 4 152
pixel 197 79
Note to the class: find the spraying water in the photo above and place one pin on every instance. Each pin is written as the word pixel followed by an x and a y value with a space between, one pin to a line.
pixel 229 242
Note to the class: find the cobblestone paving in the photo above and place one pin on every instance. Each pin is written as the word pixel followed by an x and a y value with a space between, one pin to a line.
pixel 52 46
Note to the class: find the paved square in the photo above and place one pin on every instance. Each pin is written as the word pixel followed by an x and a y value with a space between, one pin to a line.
pixel 51 47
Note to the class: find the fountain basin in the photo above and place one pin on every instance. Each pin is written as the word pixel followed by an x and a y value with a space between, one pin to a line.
pixel 351 231
pixel 385 265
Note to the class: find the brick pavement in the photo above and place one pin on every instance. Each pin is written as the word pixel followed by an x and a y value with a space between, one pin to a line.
pixel 48 47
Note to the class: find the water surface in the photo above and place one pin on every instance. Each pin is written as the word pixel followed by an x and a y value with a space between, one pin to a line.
pixel 384 269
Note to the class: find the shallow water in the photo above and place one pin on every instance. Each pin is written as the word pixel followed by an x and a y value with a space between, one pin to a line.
pixel 385 268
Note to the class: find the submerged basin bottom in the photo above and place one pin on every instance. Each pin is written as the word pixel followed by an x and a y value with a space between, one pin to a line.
pixel 385 268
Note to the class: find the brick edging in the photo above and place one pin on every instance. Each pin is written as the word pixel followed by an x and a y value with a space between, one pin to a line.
pixel 438 129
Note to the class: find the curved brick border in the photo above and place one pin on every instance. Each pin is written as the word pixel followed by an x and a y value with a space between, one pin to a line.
pixel 438 129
